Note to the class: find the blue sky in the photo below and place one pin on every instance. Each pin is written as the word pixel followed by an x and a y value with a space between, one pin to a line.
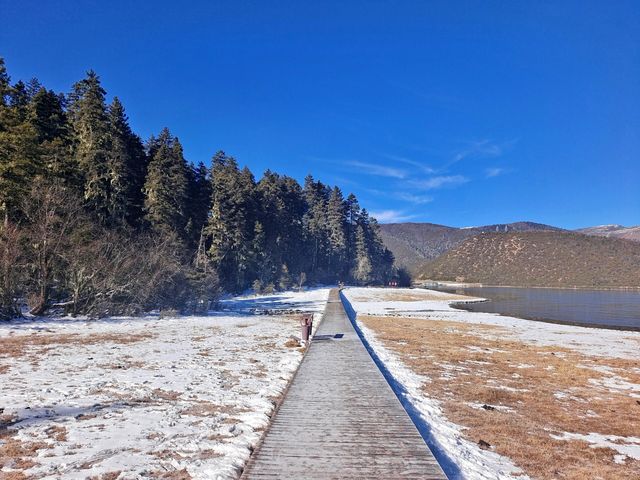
pixel 453 112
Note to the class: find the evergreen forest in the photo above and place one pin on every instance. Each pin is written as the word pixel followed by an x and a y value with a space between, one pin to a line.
pixel 96 221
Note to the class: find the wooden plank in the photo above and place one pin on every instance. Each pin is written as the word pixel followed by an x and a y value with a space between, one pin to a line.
pixel 340 419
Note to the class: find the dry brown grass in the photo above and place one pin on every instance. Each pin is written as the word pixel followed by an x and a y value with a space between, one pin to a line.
pixel 204 408
pixel 18 454
pixel 106 476
pixel 292 343
pixel 167 395
pixel 171 474
pixel 57 433
pixel 13 476
pixel 472 364
pixel 122 365
pixel 208 454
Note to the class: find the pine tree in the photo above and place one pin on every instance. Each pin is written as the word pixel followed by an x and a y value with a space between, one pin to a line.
pixel 336 231
pixel 362 270
pixel 5 84
pixel 166 187
pixel 271 215
pixel 381 257
pixel 200 191
pixel 126 163
pixel 231 224
pixel 19 155
pixel 19 99
pixel 352 212
pixel 89 118
pixel 315 221
pixel 281 209
pixel 292 243
pixel 261 259
pixel 49 119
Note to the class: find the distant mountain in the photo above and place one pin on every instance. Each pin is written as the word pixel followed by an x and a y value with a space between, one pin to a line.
pixel 539 258
pixel 413 244
pixel 616 231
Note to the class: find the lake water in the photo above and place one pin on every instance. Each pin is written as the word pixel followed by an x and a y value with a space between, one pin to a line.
pixel 605 308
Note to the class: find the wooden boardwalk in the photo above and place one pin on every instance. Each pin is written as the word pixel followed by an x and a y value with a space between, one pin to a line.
pixel 340 419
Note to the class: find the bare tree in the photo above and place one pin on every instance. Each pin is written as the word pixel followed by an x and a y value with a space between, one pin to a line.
pixel 52 212
pixel 301 280
pixel 116 273
pixel 11 237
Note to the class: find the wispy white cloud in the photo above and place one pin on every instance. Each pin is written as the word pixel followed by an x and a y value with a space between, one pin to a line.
pixel 440 181
pixel 409 161
pixel 481 149
pixel 365 168
pixel 493 172
pixel 415 199
pixel 377 170
pixel 391 216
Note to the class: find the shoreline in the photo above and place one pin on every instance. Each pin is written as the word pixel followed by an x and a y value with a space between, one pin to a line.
pixel 446 284
pixel 474 388
pixel 459 305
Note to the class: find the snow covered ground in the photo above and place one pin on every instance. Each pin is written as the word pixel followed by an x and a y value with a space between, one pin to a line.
pixel 590 341
pixel 128 398
pixel 473 462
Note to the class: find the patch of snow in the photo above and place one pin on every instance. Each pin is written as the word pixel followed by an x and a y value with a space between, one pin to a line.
pixel 191 392
pixel 506 388
pixel 567 396
pixel 625 446
pixel 619 459
pixel 615 383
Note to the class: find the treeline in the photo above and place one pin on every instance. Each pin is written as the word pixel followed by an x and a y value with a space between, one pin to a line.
pixel 95 221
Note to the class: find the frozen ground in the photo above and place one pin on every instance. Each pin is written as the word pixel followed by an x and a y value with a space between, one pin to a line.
pixel 590 341
pixel 473 462
pixel 128 398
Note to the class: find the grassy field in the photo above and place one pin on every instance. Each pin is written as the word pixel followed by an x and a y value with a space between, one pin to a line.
pixel 556 412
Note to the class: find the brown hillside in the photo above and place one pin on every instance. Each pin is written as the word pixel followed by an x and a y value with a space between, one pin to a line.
pixel 414 243
pixel 544 258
